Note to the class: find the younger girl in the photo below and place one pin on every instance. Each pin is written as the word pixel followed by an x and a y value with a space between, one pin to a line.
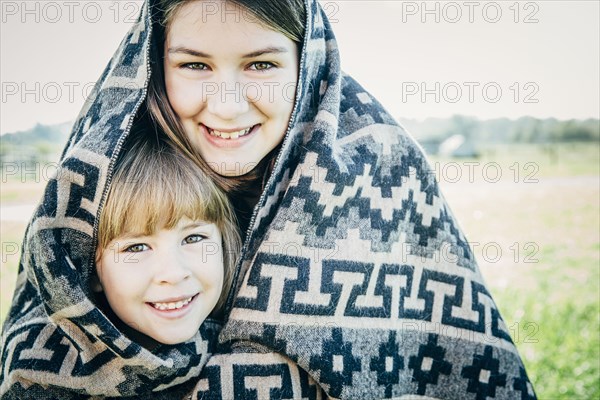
pixel 167 243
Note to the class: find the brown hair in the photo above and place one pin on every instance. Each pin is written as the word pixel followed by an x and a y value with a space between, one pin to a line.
pixel 284 16
pixel 153 187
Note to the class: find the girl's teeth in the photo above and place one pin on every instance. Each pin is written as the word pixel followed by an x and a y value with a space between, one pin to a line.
pixel 171 306
pixel 229 135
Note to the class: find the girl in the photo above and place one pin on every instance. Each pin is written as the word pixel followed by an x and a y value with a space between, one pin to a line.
pixel 167 243
pixel 354 274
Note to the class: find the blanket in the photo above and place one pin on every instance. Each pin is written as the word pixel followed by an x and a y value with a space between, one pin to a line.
pixel 355 280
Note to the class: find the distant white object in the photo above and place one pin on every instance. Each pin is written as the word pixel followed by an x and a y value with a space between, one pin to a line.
pixel 457 146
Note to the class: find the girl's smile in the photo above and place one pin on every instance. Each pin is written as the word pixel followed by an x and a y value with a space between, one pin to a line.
pixel 173 309
pixel 231 139
pixel 230 133
pixel 166 283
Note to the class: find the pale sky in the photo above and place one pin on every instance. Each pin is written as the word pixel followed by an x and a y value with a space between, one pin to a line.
pixel 464 63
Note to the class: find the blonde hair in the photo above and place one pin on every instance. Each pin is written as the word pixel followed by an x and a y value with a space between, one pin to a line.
pixel 153 187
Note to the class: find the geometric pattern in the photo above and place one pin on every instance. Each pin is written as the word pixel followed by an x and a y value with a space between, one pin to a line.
pixel 355 281
pixel 523 385
pixel 254 375
pixel 388 364
pixel 484 376
pixel 428 364
pixel 337 368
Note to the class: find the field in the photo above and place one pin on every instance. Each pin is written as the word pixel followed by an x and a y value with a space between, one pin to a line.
pixel 532 217
pixel 536 236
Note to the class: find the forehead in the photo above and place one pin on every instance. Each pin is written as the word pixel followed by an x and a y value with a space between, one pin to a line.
pixel 212 22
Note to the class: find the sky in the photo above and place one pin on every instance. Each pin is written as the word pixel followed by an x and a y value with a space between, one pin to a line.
pixel 420 59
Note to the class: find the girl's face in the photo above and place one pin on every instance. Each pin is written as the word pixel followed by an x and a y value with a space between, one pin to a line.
pixel 164 285
pixel 231 81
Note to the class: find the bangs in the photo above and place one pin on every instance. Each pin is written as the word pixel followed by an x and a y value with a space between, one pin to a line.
pixel 153 190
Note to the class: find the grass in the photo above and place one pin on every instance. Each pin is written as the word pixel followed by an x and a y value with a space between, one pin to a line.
pixel 559 160
pixel 522 163
pixel 546 279
pixel 561 306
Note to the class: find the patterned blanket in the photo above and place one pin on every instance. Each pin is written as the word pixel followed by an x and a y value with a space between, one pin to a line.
pixel 355 281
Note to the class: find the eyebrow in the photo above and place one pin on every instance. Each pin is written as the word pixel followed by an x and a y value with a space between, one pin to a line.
pixel 257 53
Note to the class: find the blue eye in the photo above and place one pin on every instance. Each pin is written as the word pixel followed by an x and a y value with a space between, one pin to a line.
pixel 193 239
pixel 262 66
pixel 137 248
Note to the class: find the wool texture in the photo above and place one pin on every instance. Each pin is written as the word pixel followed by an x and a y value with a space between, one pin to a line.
pixel 355 281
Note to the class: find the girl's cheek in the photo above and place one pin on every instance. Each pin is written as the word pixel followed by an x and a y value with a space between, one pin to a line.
pixel 253 92
pixel 187 98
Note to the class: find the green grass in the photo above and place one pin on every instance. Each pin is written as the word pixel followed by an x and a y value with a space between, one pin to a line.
pixel 21 191
pixel 564 159
pixel 526 163
pixel 551 305
pixel 559 346
pixel 555 323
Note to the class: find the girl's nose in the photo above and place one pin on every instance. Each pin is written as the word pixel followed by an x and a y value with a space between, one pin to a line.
pixel 171 268
pixel 228 101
